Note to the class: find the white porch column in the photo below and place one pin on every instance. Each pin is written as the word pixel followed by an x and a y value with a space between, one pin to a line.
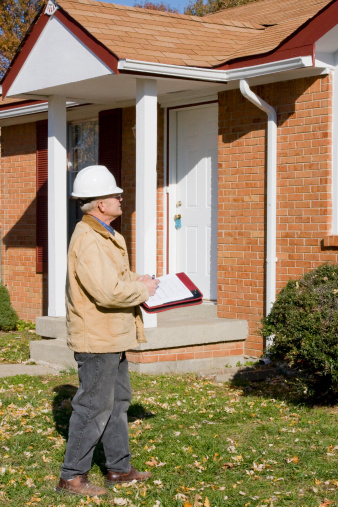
pixel 146 181
pixel 57 205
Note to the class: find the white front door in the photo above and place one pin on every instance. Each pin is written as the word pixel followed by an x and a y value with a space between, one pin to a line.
pixel 196 196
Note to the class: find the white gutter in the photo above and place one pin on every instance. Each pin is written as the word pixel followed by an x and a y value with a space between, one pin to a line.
pixel 24 110
pixel 178 71
pixel 271 192
pixel 166 70
pixel 270 68
pixel 27 110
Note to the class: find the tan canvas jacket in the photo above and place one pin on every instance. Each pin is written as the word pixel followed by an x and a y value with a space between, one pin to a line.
pixel 102 294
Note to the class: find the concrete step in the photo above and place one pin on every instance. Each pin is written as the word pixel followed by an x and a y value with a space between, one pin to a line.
pixel 183 327
pixel 52 352
pixel 11 370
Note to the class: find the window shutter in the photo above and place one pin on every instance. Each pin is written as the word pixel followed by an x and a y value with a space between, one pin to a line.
pixel 42 196
pixel 110 146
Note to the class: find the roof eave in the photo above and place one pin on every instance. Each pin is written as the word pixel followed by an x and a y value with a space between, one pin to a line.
pixel 155 70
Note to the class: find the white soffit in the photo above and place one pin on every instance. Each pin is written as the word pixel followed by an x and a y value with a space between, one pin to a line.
pixel 329 42
pixel 57 58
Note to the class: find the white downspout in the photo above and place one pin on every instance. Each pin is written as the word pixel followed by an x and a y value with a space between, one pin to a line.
pixel 271 192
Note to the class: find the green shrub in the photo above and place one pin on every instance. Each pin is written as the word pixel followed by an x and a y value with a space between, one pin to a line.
pixel 8 316
pixel 304 322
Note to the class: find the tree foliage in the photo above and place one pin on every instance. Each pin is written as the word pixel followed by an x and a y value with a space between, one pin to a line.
pixel 156 6
pixel 199 8
pixel 15 18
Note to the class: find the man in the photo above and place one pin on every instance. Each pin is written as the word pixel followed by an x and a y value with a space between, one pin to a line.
pixel 103 321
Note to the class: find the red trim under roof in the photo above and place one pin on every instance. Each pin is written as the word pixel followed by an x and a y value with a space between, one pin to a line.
pixel 78 31
pixel 301 43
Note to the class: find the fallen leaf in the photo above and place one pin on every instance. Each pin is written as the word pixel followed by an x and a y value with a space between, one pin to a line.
pixel 180 496
pixel 292 460
pixel 197 501
pixel 154 463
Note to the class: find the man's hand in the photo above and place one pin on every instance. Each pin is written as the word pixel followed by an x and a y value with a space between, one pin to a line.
pixel 150 283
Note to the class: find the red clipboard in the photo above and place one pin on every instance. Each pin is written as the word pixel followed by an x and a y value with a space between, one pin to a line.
pixel 195 299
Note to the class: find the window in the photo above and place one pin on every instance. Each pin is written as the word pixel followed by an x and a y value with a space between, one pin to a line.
pixel 82 152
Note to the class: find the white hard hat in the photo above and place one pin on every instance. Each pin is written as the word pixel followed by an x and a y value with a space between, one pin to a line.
pixel 94 181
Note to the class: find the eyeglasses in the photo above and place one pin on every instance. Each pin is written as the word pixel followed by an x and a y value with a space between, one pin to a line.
pixel 117 196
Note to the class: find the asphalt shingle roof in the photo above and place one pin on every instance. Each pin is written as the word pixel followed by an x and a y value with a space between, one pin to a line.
pixel 270 12
pixel 155 36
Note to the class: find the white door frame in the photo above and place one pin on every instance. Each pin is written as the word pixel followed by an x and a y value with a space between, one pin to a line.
pixel 172 173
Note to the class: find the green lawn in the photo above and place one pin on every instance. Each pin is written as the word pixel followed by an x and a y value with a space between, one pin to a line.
pixel 14 346
pixel 207 444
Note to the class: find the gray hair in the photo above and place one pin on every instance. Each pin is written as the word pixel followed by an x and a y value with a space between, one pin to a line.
pixel 88 206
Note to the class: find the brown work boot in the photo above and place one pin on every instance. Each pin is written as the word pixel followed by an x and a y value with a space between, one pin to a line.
pixel 132 475
pixel 80 485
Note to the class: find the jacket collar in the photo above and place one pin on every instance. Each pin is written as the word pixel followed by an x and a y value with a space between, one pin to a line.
pixel 94 224
pixel 97 227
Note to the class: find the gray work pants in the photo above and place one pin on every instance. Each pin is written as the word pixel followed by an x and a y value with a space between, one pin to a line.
pixel 99 412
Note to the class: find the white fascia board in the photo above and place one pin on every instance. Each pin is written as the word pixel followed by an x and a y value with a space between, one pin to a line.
pixel 28 110
pixel 177 71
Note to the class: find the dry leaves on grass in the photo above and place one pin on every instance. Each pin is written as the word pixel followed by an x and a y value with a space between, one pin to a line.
pixel 292 460
pixel 154 462
pixel 198 502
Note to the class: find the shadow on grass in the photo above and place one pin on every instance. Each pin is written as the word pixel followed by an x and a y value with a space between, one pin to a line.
pixel 62 410
pixel 291 389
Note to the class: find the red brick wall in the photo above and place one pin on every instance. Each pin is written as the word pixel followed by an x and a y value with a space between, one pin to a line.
pixel 129 186
pixel 303 193
pixel 213 350
pixel 18 188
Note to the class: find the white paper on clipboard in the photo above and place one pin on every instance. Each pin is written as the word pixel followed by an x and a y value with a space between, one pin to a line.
pixel 170 289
